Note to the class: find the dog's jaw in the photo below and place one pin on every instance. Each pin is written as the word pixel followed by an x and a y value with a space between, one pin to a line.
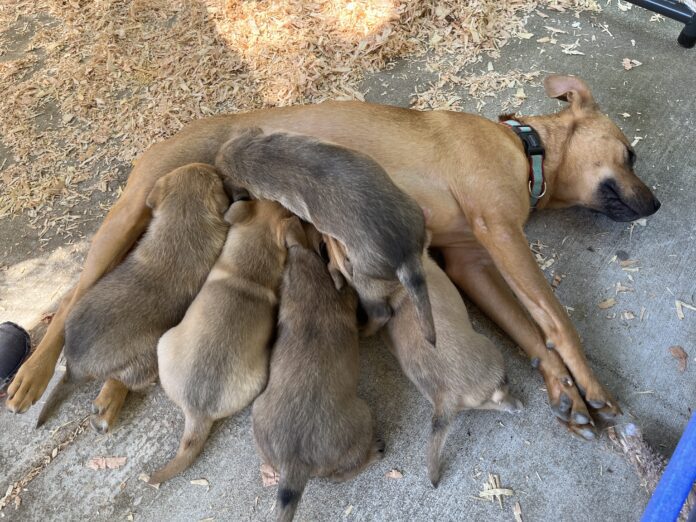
pixel 613 202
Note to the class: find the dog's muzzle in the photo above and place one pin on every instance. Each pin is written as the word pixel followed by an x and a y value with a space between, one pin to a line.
pixel 619 206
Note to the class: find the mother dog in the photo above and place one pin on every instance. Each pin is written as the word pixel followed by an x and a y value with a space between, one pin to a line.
pixel 473 176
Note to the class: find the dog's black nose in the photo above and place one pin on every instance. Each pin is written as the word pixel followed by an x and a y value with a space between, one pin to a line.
pixel 656 204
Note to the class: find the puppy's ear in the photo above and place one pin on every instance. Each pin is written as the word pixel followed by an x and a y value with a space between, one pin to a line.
pixel 570 89
pixel 222 202
pixel 156 195
pixel 290 232
pixel 338 257
pixel 239 211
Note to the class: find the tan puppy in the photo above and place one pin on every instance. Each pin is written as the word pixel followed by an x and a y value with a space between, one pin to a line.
pixel 309 420
pixel 215 362
pixel 113 332
pixel 466 371
pixel 472 173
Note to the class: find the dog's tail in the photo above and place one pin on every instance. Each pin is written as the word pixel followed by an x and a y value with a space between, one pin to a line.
pixel 293 479
pixel 438 435
pixel 412 277
pixel 196 431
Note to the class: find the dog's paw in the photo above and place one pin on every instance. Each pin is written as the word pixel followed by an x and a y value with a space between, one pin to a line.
pixel 28 385
pixel 107 406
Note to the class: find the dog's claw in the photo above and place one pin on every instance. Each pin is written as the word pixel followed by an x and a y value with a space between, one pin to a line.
pixel 584 432
pixel 99 425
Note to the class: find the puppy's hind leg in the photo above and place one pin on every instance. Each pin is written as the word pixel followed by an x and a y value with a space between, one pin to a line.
pixel 442 418
pixel 196 431
pixel 107 405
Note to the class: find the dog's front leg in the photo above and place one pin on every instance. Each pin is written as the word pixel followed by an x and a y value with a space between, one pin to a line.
pixel 472 270
pixel 122 227
pixel 506 243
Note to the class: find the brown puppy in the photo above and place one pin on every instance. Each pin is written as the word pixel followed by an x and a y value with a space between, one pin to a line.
pixel 215 362
pixel 309 420
pixel 471 173
pixel 113 332
pixel 466 371
pixel 348 196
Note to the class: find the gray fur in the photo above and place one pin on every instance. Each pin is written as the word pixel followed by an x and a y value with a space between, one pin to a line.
pixel 113 330
pixel 309 420
pixel 465 371
pixel 346 195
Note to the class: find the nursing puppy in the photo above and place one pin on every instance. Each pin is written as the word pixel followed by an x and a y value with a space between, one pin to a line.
pixel 309 421
pixel 112 332
pixel 348 196
pixel 215 362
pixel 466 371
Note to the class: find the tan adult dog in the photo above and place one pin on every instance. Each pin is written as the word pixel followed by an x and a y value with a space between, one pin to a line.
pixel 470 172
pixel 465 371
pixel 215 361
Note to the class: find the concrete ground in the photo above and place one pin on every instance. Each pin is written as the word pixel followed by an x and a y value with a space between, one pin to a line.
pixel 553 476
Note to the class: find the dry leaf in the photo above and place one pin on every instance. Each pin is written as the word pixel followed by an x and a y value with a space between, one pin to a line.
pixel 629 64
pixel 201 482
pixel 394 474
pixel 517 511
pixel 144 477
pixel 607 303
pixel 269 477
pixel 106 462
pixel 680 355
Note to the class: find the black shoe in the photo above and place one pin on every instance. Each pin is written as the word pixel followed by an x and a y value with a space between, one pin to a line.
pixel 14 347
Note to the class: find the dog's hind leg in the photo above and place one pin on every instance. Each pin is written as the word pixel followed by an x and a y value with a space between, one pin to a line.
pixel 439 430
pixel 122 227
pixel 107 405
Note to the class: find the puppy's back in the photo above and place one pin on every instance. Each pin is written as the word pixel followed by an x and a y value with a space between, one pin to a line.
pixel 462 359
pixel 314 368
pixel 341 191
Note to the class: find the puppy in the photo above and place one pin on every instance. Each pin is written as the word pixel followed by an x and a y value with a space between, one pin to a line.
pixel 215 362
pixel 465 371
pixel 113 331
pixel 348 196
pixel 309 420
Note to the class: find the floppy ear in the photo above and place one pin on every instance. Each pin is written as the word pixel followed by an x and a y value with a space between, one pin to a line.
pixel 570 89
pixel 338 257
pixel 290 232
pixel 222 202
pixel 156 195
pixel 239 211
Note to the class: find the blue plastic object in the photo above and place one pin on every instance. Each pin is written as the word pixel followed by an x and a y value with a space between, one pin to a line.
pixel 676 482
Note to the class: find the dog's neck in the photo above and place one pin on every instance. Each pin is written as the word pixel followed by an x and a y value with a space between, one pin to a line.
pixel 554 131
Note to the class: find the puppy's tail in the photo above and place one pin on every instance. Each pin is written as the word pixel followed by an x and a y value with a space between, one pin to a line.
pixel 196 431
pixel 438 435
pixel 293 479
pixel 412 277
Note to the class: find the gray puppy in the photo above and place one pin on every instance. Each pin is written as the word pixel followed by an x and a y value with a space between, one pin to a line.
pixel 309 420
pixel 346 195
pixel 466 371
pixel 215 361
pixel 113 330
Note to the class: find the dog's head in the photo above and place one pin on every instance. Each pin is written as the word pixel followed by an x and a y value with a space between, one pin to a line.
pixel 189 186
pixel 596 169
